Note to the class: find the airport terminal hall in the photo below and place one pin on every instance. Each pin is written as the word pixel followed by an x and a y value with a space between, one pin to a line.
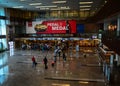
pixel 59 42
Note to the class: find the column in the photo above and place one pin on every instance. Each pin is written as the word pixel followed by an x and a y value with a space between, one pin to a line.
pixel 116 60
pixel 105 25
pixel 118 25
pixel 111 60
pixel 118 57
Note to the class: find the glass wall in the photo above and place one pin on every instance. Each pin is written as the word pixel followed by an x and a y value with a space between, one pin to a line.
pixel 2 12
pixel 2 27
pixel 3 41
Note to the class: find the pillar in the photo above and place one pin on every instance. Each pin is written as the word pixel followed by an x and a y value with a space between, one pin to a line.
pixel 116 60
pixel 118 57
pixel 118 26
pixel 111 60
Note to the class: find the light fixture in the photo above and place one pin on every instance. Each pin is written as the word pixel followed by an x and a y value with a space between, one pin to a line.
pixel 112 27
pixel 58 2
pixel 35 4
pixel 44 8
pixel 18 7
pixel 84 9
pixel 50 6
pixel 85 6
pixel 22 0
pixel 86 2
pixel 55 9
pixel 105 1
pixel 83 82
pixel 60 8
pixel 56 84
pixel 64 8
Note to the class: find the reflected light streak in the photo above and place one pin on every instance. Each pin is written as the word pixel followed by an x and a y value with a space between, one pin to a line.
pixel 83 82
pixel 55 84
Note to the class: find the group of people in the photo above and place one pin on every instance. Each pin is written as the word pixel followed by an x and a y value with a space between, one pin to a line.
pixel 36 46
pixel 34 63
pixel 57 54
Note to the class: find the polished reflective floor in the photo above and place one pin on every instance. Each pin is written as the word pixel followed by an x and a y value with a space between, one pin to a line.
pixel 17 70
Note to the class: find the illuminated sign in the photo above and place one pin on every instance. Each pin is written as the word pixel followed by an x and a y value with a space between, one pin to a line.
pixel 53 26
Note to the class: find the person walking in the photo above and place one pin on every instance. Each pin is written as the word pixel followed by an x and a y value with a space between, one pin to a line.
pixel 64 56
pixel 55 55
pixel 34 63
pixel 59 53
pixel 45 62
pixel 85 55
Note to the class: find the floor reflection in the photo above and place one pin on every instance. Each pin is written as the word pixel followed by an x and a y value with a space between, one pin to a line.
pixel 17 70
pixel 4 69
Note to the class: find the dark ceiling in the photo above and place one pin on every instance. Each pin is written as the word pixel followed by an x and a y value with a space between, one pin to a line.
pixel 80 8
pixel 97 10
pixel 110 9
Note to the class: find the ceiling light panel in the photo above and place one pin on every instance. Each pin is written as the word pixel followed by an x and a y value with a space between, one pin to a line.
pixel 59 2
pixel 18 7
pixel 46 6
pixel 84 9
pixel 60 8
pixel 35 3
pixel 55 9
pixel 71 5
pixel 85 6
pixel 86 2
pixel 65 8
pixel 22 0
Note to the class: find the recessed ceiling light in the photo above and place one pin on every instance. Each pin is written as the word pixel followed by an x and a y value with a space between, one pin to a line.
pixel 83 82
pixel 22 0
pixel 85 6
pixel 85 2
pixel 84 9
pixel 60 8
pixel 35 4
pixel 64 8
pixel 105 1
pixel 58 2
pixel 46 6
pixel 18 7
pixel 55 84
pixel 55 9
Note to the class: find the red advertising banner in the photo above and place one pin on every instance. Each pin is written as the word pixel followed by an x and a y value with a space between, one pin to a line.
pixel 56 26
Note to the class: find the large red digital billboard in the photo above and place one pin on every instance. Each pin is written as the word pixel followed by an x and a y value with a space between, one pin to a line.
pixel 54 26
